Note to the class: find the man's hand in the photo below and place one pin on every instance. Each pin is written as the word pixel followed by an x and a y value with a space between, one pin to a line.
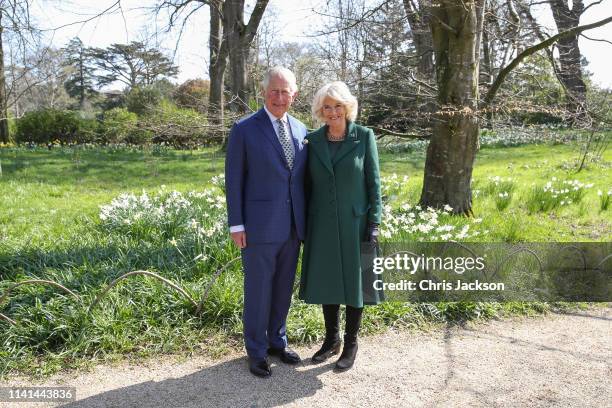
pixel 239 239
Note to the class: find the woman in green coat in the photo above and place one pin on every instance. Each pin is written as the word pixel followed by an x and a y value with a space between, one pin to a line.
pixel 344 210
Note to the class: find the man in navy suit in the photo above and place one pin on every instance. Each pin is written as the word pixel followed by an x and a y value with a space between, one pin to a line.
pixel 264 180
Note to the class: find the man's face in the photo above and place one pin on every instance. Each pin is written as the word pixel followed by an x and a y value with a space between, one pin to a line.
pixel 278 96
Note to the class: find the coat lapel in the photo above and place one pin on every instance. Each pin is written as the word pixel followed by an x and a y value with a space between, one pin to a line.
pixel 318 144
pixel 351 142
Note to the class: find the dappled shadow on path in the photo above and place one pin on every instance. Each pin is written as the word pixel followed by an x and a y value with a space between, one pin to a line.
pixel 452 380
pixel 587 315
pixel 227 384
pixel 459 379
pixel 539 346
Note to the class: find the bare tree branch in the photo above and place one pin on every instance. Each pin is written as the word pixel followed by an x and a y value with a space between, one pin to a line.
pixel 112 6
pixel 596 39
pixel 532 50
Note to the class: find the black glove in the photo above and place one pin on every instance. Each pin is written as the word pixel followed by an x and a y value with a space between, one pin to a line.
pixel 372 233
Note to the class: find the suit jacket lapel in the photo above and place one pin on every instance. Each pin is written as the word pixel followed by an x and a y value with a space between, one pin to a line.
pixel 351 142
pixel 318 144
pixel 268 130
pixel 298 140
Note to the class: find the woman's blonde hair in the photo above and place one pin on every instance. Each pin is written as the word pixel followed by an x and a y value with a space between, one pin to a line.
pixel 337 91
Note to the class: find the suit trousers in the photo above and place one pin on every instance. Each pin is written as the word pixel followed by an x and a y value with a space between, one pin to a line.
pixel 269 273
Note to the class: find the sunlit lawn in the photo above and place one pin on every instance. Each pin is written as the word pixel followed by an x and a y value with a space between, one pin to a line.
pixel 50 228
pixel 44 194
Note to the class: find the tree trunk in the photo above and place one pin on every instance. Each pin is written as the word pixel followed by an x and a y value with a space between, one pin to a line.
pixel 570 73
pixel 82 80
pixel 234 28
pixel 238 38
pixel 4 127
pixel 230 37
pixel 217 64
pixel 419 21
pixel 456 29
pixel 488 50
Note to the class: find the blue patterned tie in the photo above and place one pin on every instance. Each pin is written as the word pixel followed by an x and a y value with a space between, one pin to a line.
pixel 286 143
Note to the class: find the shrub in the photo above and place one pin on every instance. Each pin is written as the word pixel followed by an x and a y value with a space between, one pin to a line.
pixel 35 127
pixel 12 126
pixel 193 94
pixel 177 127
pixel 88 130
pixel 143 100
pixel 109 100
pixel 165 88
pixel 49 125
pixel 121 126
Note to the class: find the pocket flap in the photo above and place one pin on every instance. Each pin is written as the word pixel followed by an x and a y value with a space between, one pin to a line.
pixel 360 210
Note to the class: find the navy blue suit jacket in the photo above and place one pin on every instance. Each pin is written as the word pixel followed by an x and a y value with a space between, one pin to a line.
pixel 262 193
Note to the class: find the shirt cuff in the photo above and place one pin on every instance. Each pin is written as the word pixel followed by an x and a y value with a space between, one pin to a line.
pixel 236 228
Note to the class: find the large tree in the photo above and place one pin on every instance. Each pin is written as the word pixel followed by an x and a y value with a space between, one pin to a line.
pixel 237 39
pixel 40 83
pixel 418 14
pixel 567 16
pixel 457 30
pixel 366 46
pixel 216 69
pixel 133 64
pixel 4 128
pixel 230 39
pixel 16 28
pixel 81 78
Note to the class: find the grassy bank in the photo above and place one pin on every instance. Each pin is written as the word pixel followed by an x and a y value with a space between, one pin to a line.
pixel 52 227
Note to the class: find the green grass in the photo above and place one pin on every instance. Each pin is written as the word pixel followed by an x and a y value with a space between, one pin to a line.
pixel 527 165
pixel 46 195
pixel 50 228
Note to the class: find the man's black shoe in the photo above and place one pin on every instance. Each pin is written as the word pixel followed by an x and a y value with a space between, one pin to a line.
pixel 286 355
pixel 260 368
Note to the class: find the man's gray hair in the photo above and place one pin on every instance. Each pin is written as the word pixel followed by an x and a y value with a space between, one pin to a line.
pixel 282 72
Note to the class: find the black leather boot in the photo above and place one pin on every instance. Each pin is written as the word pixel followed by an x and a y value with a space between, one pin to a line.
pixel 331 344
pixel 349 352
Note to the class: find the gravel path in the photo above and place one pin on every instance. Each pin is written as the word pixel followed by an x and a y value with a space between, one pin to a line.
pixel 552 361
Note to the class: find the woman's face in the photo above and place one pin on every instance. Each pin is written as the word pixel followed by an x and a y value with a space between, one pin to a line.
pixel 334 112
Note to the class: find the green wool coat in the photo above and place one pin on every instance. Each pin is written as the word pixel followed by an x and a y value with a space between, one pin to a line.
pixel 343 196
